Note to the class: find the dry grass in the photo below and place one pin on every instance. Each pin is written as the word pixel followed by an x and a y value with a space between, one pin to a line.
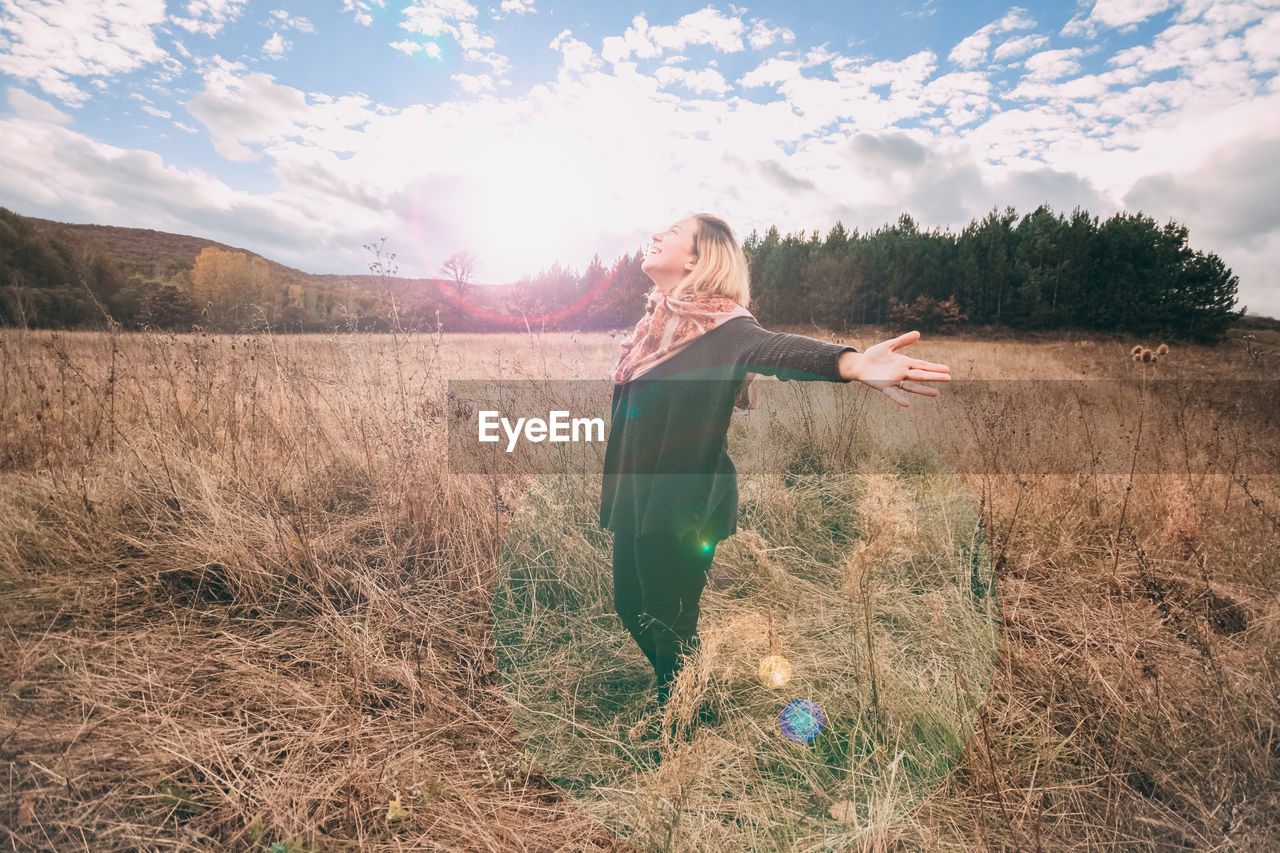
pixel 246 605
pixel 897 711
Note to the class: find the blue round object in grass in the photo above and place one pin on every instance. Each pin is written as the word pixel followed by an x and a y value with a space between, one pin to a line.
pixel 801 720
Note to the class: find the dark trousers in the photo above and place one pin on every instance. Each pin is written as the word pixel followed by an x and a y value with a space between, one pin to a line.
pixel 657 584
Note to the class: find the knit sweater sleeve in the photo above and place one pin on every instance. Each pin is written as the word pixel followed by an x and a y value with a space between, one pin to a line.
pixel 786 355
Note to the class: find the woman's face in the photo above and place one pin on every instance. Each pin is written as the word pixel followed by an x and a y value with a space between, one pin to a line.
pixel 670 256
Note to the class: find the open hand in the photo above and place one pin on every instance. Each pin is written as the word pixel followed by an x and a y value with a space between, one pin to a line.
pixel 884 368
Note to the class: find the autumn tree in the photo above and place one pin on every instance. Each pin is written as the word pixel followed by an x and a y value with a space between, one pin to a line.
pixel 232 288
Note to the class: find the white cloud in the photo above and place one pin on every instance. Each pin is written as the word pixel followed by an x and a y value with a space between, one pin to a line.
pixel 158 113
pixel 771 72
pixel 409 48
pixel 359 10
pixel 518 7
pixel 496 61
pixel 1213 166
pixel 577 55
pixel 1110 14
pixel 1018 46
pixel 634 40
pixel 707 80
pixel 963 95
pixel 1213 64
pixel 1199 44
pixel 925 11
pixel 283 19
pixel 473 83
pixel 779 69
pixel 973 48
pixel 275 47
pixel 52 41
pixel 762 35
pixel 705 27
pixel 29 106
pixel 820 55
pixel 850 95
pixel 1229 193
pixel 1053 64
pixel 470 38
pixel 1263 44
pixel 210 16
pixel 238 109
pixel 454 19
pixel 436 17
pixel 64 174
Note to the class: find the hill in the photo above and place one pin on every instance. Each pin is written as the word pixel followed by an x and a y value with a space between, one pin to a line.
pixel 145 276
pixel 154 256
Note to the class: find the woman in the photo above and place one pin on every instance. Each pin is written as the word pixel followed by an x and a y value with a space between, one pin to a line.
pixel 670 490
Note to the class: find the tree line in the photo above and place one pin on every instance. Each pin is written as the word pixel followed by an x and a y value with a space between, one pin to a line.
pixel 1040 271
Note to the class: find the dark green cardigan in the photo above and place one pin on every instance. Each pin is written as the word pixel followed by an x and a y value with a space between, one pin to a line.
pixel 666 465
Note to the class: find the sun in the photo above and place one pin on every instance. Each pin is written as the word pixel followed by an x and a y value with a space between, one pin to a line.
pixel 526 213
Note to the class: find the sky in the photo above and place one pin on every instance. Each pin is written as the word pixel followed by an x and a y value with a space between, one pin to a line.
pixel 530 131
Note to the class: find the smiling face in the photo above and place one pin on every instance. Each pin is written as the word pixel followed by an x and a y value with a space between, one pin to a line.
pixel 671 256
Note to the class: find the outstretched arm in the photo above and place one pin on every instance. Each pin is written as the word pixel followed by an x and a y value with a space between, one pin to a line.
pixel 785 355
pixel 884 368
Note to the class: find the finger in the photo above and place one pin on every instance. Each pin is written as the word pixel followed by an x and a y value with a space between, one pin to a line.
pixel 901 341
pixel 924 390
pixel 894 392
pixel 906 339
pixel 929 365
pixel 928 375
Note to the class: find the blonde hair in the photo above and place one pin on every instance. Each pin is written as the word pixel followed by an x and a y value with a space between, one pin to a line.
pixel 721 268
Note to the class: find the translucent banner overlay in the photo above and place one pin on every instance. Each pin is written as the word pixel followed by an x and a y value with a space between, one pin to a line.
pixel 1021 427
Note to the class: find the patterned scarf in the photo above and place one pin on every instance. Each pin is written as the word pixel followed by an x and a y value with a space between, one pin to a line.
pixel 668 326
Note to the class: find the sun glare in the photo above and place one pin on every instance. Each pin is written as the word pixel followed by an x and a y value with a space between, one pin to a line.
pixel 523 214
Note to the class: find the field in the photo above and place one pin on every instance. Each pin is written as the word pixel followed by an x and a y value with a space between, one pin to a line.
pixel 247 606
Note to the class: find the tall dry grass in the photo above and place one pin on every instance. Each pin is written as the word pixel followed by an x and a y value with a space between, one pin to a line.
pixel 794 581
pixel 246 605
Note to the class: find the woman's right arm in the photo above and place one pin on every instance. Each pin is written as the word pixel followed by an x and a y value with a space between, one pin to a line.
pixel 881 367
pixel 789 356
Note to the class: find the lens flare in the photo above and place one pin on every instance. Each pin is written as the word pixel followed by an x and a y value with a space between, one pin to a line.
pixel 466 309
pixel 801 721
pixel 775 671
